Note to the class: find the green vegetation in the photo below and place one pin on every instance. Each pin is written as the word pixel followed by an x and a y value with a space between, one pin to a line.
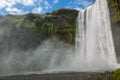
pixel 116 4
pixel 116 11
pixel 116 75
pixel 59 25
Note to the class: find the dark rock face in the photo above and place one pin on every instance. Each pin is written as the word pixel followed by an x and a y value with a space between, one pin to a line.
pixel 116 37
pixel 115 23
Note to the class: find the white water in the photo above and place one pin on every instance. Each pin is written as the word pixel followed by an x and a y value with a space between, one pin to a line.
pixel 94 42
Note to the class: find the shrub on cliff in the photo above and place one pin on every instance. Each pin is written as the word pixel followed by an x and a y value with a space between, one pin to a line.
pixel 116 11
pixel 116 75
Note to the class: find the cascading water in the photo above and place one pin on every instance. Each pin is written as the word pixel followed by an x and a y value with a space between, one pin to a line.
pixel 94 42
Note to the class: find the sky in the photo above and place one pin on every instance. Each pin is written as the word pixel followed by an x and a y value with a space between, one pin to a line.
pixel 20 7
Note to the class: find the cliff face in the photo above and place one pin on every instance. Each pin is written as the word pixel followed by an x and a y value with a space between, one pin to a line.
pixel 114 7
pixel 30 30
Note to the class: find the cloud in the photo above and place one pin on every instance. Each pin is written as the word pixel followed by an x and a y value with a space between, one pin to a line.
pixel 79 4
pixel 47 5
pixel 56 1
pixel 15 11
pixel 5 3
pixel 37 10
pixel 24 6
pixel 9 3
pixel 38 6
pixel 26 2
pixel 78 8
pixel 84 3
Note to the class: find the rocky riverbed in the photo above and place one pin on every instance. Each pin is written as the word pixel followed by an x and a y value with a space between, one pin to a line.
pixel 61 76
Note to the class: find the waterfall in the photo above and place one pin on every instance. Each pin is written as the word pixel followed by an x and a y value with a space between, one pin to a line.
pixel 94 42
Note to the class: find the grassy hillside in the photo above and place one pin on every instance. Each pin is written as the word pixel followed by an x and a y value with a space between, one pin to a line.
pixel 28 31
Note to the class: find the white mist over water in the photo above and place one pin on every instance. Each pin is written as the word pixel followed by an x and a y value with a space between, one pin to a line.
pixel 94 42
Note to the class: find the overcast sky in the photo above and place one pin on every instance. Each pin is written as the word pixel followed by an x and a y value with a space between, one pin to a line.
pixel 17 7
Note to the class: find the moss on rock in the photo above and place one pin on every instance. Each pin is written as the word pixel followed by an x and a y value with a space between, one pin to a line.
pixel 116 75
pixel 114 6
